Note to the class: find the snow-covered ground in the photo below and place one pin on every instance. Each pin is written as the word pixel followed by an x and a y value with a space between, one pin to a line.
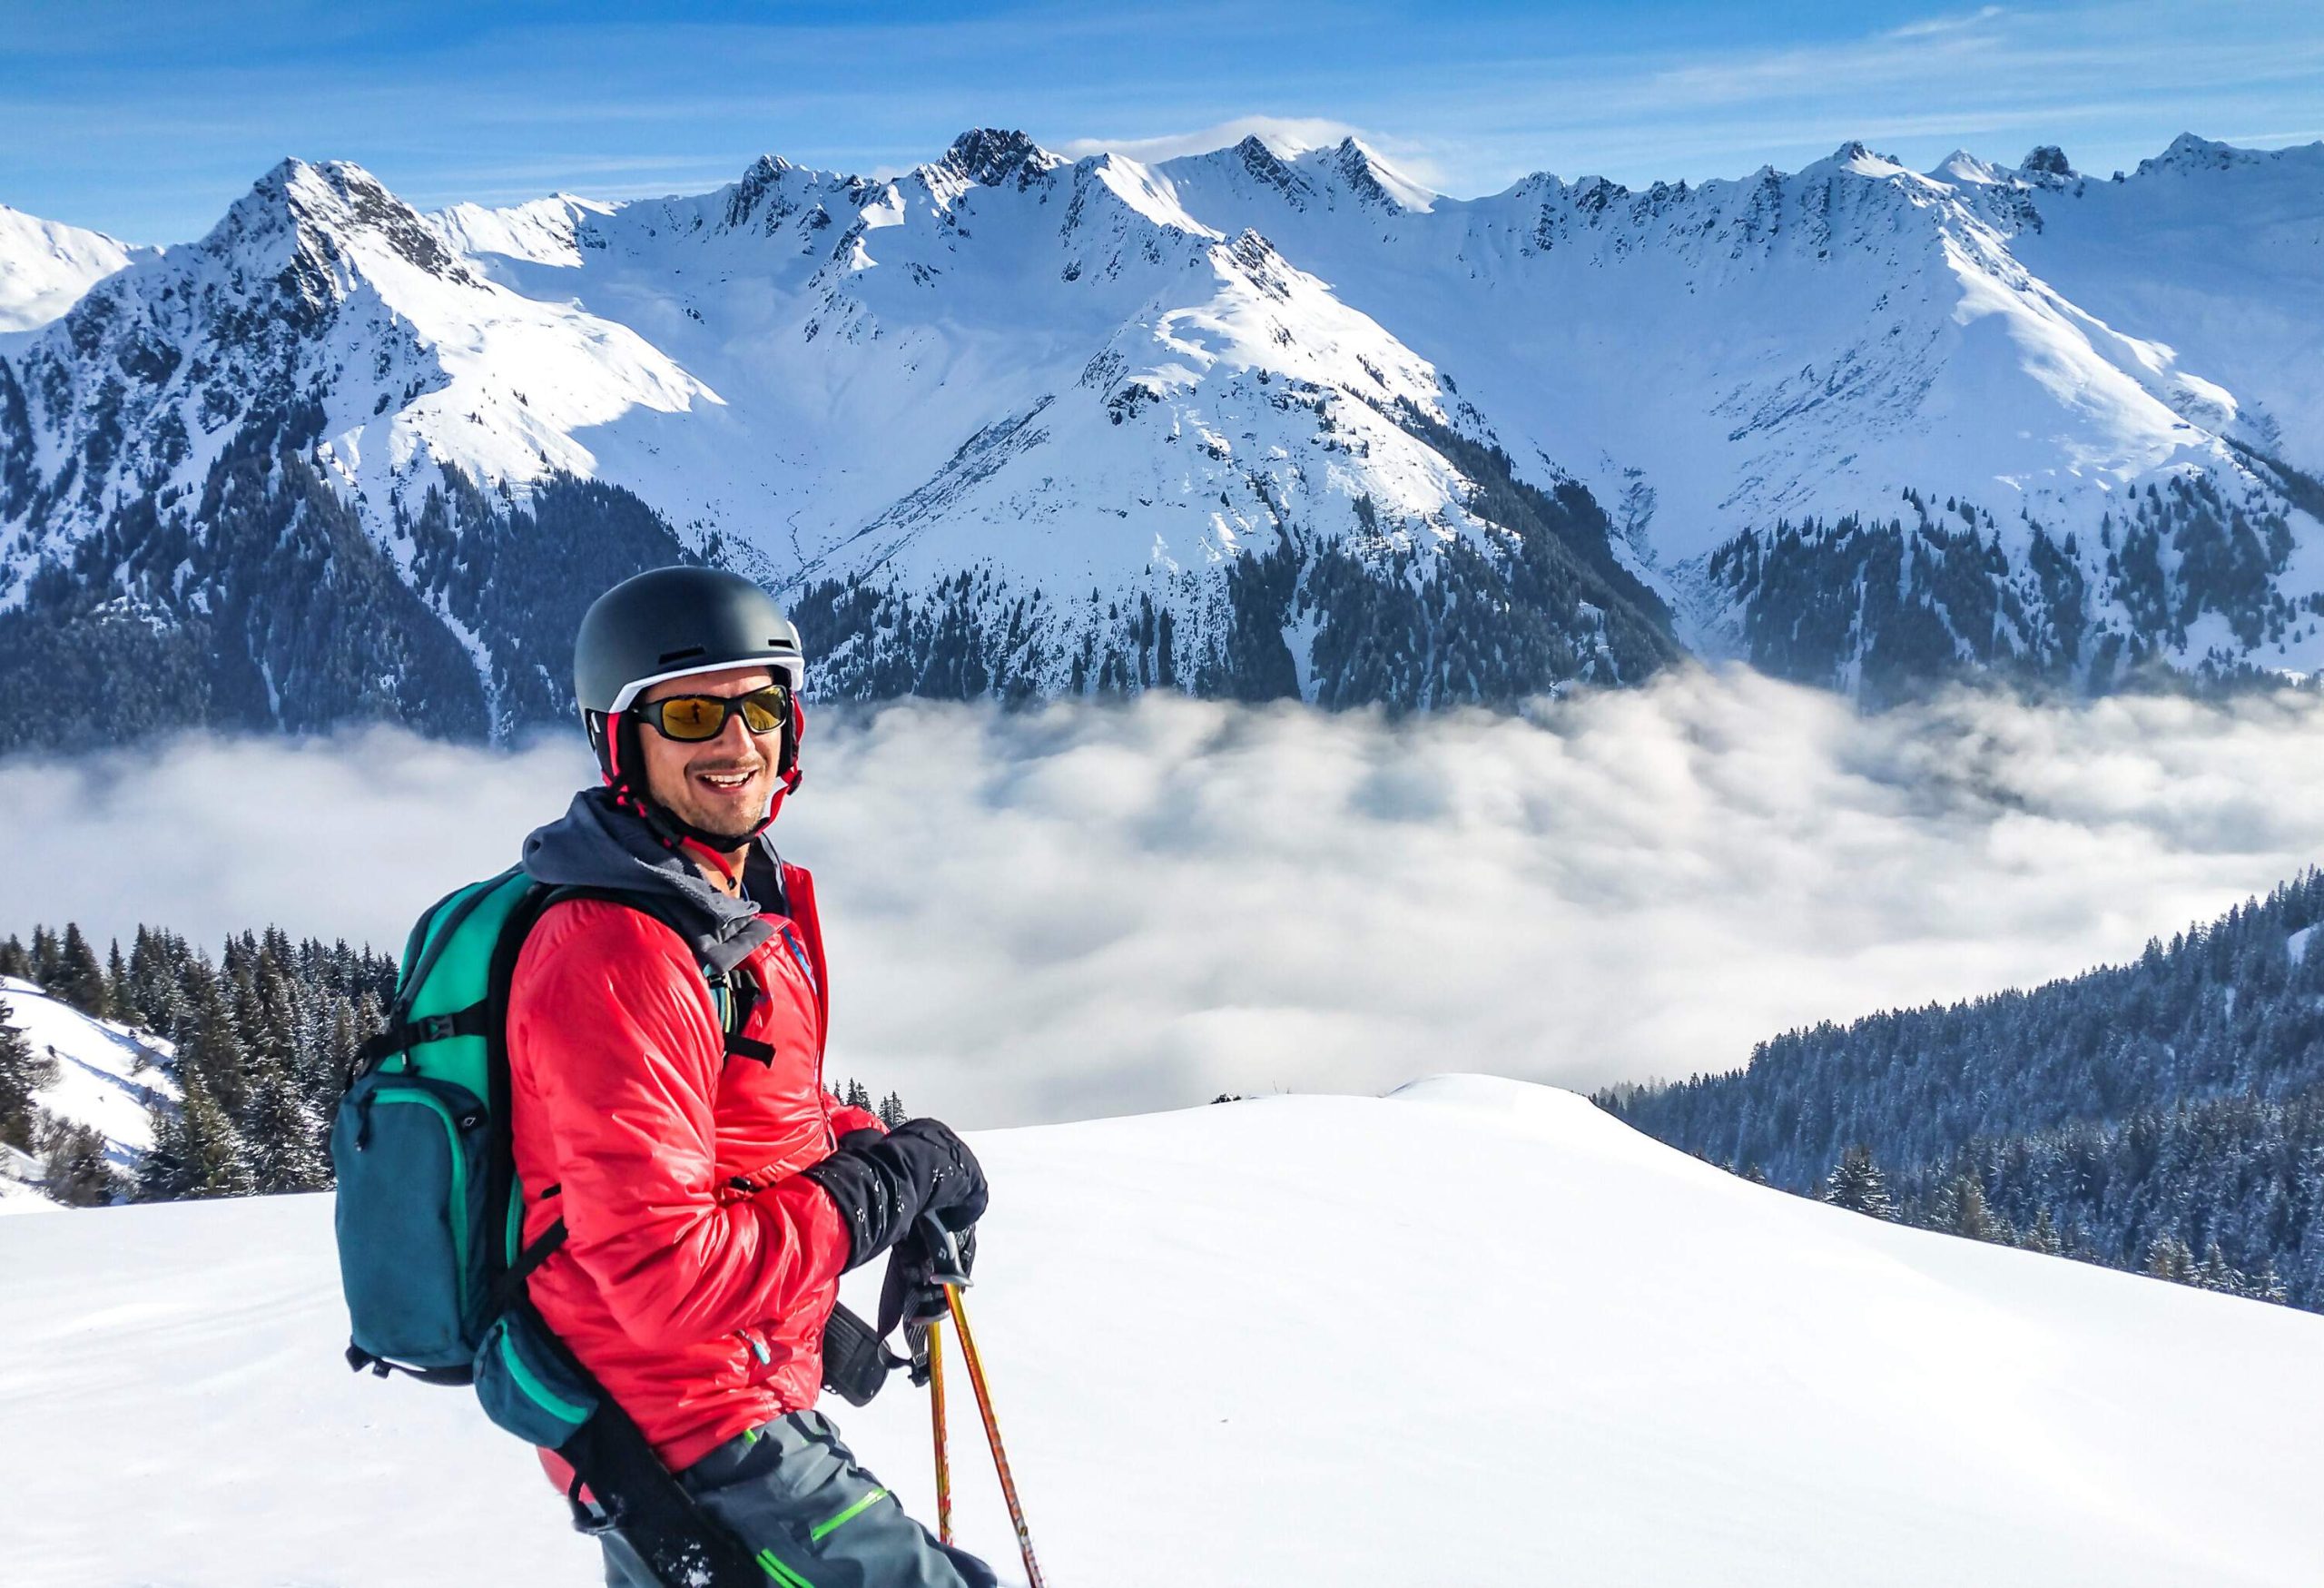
pixel 1475 1332
pixel 106 1077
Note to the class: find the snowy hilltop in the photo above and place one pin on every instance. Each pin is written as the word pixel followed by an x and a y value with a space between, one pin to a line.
pixel 1252 423
pixel 1226 1348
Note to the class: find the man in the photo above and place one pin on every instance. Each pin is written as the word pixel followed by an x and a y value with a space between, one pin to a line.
pixel 666 1062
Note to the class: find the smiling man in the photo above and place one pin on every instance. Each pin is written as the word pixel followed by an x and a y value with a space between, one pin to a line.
pixel 665 1039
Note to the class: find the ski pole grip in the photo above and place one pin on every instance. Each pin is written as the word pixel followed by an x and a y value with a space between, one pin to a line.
pixel 943 1253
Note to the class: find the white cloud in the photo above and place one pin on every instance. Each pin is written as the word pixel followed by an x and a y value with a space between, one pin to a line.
pixel 1928 26
pixel 1077 910
pixel 1286 135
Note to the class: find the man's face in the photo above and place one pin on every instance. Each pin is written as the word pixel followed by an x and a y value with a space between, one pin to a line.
pixel 721 784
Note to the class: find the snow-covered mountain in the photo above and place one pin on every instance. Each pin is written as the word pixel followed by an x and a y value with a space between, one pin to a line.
pixel 1234 422
pixel 1543 1345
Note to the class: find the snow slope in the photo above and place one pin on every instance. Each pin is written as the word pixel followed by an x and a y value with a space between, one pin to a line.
pixel 106 1077
pixel 1477 1332
pixel 45 267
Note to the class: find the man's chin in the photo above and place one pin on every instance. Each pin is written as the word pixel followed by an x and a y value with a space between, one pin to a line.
pixel 737 825
pixel 723 826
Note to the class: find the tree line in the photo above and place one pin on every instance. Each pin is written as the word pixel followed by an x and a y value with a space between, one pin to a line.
pixel 2165 1116
pixel 262 1037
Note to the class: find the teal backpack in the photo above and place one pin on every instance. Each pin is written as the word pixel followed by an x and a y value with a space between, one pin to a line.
pixel 429 1215
pixel 429 1220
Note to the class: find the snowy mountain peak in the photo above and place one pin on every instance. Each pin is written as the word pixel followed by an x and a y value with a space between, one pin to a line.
pixel 1375 181
pixel 766 175
pixel 1962 168
pixel 2046 165
pixel 988 157
pixel 1855 158
pixel 2190 153
pixel 327 209
pixel 1259 158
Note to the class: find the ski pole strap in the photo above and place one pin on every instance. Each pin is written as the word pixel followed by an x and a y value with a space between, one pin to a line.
pixel 856 1361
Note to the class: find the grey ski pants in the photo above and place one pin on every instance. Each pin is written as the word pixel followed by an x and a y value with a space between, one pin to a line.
pixel 813 1516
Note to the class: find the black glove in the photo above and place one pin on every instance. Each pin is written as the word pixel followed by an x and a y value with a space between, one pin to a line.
pixel 910 1293
pixel 882 1185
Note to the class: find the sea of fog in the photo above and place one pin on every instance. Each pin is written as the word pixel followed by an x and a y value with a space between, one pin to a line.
pixel 1080 909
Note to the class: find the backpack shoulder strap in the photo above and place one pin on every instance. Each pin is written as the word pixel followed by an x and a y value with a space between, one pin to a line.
pixel 799 894
pixel 510 1261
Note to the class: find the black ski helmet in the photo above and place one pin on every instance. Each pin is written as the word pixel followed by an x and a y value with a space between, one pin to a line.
pixel 670 623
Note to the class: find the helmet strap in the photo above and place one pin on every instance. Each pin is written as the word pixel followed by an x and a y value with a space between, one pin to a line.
pixel 616 742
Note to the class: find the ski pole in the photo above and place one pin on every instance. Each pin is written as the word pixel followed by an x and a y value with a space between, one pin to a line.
pixel 936 1419
pixel 945 1253
pixel 992 1434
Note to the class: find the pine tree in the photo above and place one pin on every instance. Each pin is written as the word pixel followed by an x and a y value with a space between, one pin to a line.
pixel 217 1161
pixel 211 1048
pixel 340 1040
pixel 1971 1216
pixel 892 1110
pixel 2044 1236
pixel 2168 1257
pixel 1856 1184
pixel 285 1144
pixel 23 1073
pixel 44 956
pixel 162 1173
pixel 75 1170
pixel 80 977
pixel 121 993
pixel 14 960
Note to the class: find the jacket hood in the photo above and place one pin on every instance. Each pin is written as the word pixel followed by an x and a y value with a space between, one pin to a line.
pixel 598 845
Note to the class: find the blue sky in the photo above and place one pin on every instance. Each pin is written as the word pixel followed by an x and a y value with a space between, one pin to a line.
pixel 146 120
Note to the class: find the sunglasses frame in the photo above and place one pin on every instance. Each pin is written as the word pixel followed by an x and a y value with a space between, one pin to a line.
pixel 730 706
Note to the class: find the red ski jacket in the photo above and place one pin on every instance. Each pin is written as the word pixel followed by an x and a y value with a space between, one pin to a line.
pixel 700 1266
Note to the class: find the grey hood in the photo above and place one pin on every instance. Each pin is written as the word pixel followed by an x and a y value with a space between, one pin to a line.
pixel 598 845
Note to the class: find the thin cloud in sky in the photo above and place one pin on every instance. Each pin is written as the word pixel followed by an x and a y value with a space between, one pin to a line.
pixel 1075 910
pixel 1931 25
pixel 1285 134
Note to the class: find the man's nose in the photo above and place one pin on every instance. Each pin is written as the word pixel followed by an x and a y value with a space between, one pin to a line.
pixel 735 735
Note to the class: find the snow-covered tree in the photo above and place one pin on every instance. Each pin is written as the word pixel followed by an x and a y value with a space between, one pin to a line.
pixel 1856 1184
pixel 23 1073
pixel 80 977
pixel 285 1142
pixel 2168 1257
pixel 73 1167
